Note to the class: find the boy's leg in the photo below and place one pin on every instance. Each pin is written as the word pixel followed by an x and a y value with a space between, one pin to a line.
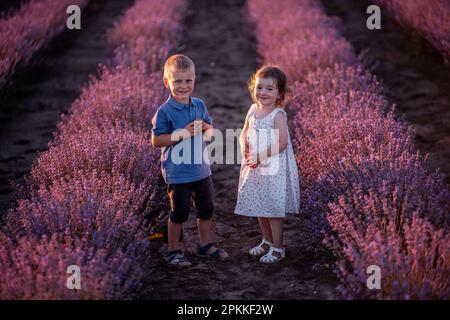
pixel 203 194
pixel 180 204
pixel 174 232
pixel 204 231
pixel 205 235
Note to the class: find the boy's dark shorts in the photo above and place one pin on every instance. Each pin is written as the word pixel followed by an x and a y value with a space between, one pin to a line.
pixel 180 195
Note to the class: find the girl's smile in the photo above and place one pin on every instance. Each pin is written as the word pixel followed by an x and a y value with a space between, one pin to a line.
pixel 266 92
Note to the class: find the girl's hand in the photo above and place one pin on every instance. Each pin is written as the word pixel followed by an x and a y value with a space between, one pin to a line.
pixel 247 156
pixel 252 160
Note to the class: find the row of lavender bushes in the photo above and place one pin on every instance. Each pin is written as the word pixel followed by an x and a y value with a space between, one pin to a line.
pixel 430 19
pixel 28 29
pixel 90 194
pixel 365 189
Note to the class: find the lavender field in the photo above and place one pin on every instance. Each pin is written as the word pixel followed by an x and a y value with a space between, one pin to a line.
pixel 368 114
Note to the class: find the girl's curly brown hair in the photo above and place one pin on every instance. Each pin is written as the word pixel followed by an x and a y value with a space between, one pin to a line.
pixel 279 76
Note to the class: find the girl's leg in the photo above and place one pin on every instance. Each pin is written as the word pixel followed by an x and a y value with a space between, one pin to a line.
pixel 265 228
pixel 267 235
pixel 276 225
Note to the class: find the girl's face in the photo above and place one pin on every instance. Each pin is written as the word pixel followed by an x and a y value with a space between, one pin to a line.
pixel 266 92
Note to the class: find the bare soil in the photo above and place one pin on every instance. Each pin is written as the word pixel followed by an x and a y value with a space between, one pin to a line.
pixel 7 6
pixel 217 38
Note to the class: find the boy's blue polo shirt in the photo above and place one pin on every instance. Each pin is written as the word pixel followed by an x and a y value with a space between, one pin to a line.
pixel 173 115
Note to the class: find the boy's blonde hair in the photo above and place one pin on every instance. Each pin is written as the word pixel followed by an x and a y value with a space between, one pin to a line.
pixel 177 62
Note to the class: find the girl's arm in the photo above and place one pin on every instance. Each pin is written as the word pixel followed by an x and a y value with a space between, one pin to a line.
pixel 280 124
pixel 243 135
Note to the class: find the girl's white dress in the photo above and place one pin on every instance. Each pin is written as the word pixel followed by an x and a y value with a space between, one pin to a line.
pixel 272 189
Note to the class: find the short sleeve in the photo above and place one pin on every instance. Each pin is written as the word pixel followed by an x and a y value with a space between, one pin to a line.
pixel 160 123
pixel 205 115
pixel 252 109
pixel 284 117
pixel 280 110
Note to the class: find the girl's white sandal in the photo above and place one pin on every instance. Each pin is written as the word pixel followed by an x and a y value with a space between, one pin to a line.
pixel 259 250
pixel 270 258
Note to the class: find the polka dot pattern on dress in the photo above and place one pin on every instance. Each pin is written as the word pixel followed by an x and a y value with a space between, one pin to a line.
pixel 272 189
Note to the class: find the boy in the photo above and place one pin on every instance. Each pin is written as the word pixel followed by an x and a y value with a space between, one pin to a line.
pixel 176 123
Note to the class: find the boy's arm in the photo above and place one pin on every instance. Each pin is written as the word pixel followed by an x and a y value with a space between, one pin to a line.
pixel 168 139
pixel 207 126
pixel 208 130
pixel 160 131
pixel 163 140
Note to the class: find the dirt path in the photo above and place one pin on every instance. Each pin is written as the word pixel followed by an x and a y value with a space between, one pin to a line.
pixel 225 57
pixel 42 91
pixel 413 74
pixel 7 6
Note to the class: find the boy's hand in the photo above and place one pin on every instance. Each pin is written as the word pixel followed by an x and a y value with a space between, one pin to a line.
pixel 189 130
pixel 206 126
pixel 208 130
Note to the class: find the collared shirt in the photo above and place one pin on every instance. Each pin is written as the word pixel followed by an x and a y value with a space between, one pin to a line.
pixel 184 161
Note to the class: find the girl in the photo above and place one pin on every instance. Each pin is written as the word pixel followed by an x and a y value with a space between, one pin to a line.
pixel 268 182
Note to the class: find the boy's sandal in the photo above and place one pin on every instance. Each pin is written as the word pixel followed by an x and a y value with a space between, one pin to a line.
pixel 202 252
pixel 270 258
pixel 177 259
pixel 259 249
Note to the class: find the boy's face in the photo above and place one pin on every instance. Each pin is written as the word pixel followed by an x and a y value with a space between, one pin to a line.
pixel 266 91
pixel 181 83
